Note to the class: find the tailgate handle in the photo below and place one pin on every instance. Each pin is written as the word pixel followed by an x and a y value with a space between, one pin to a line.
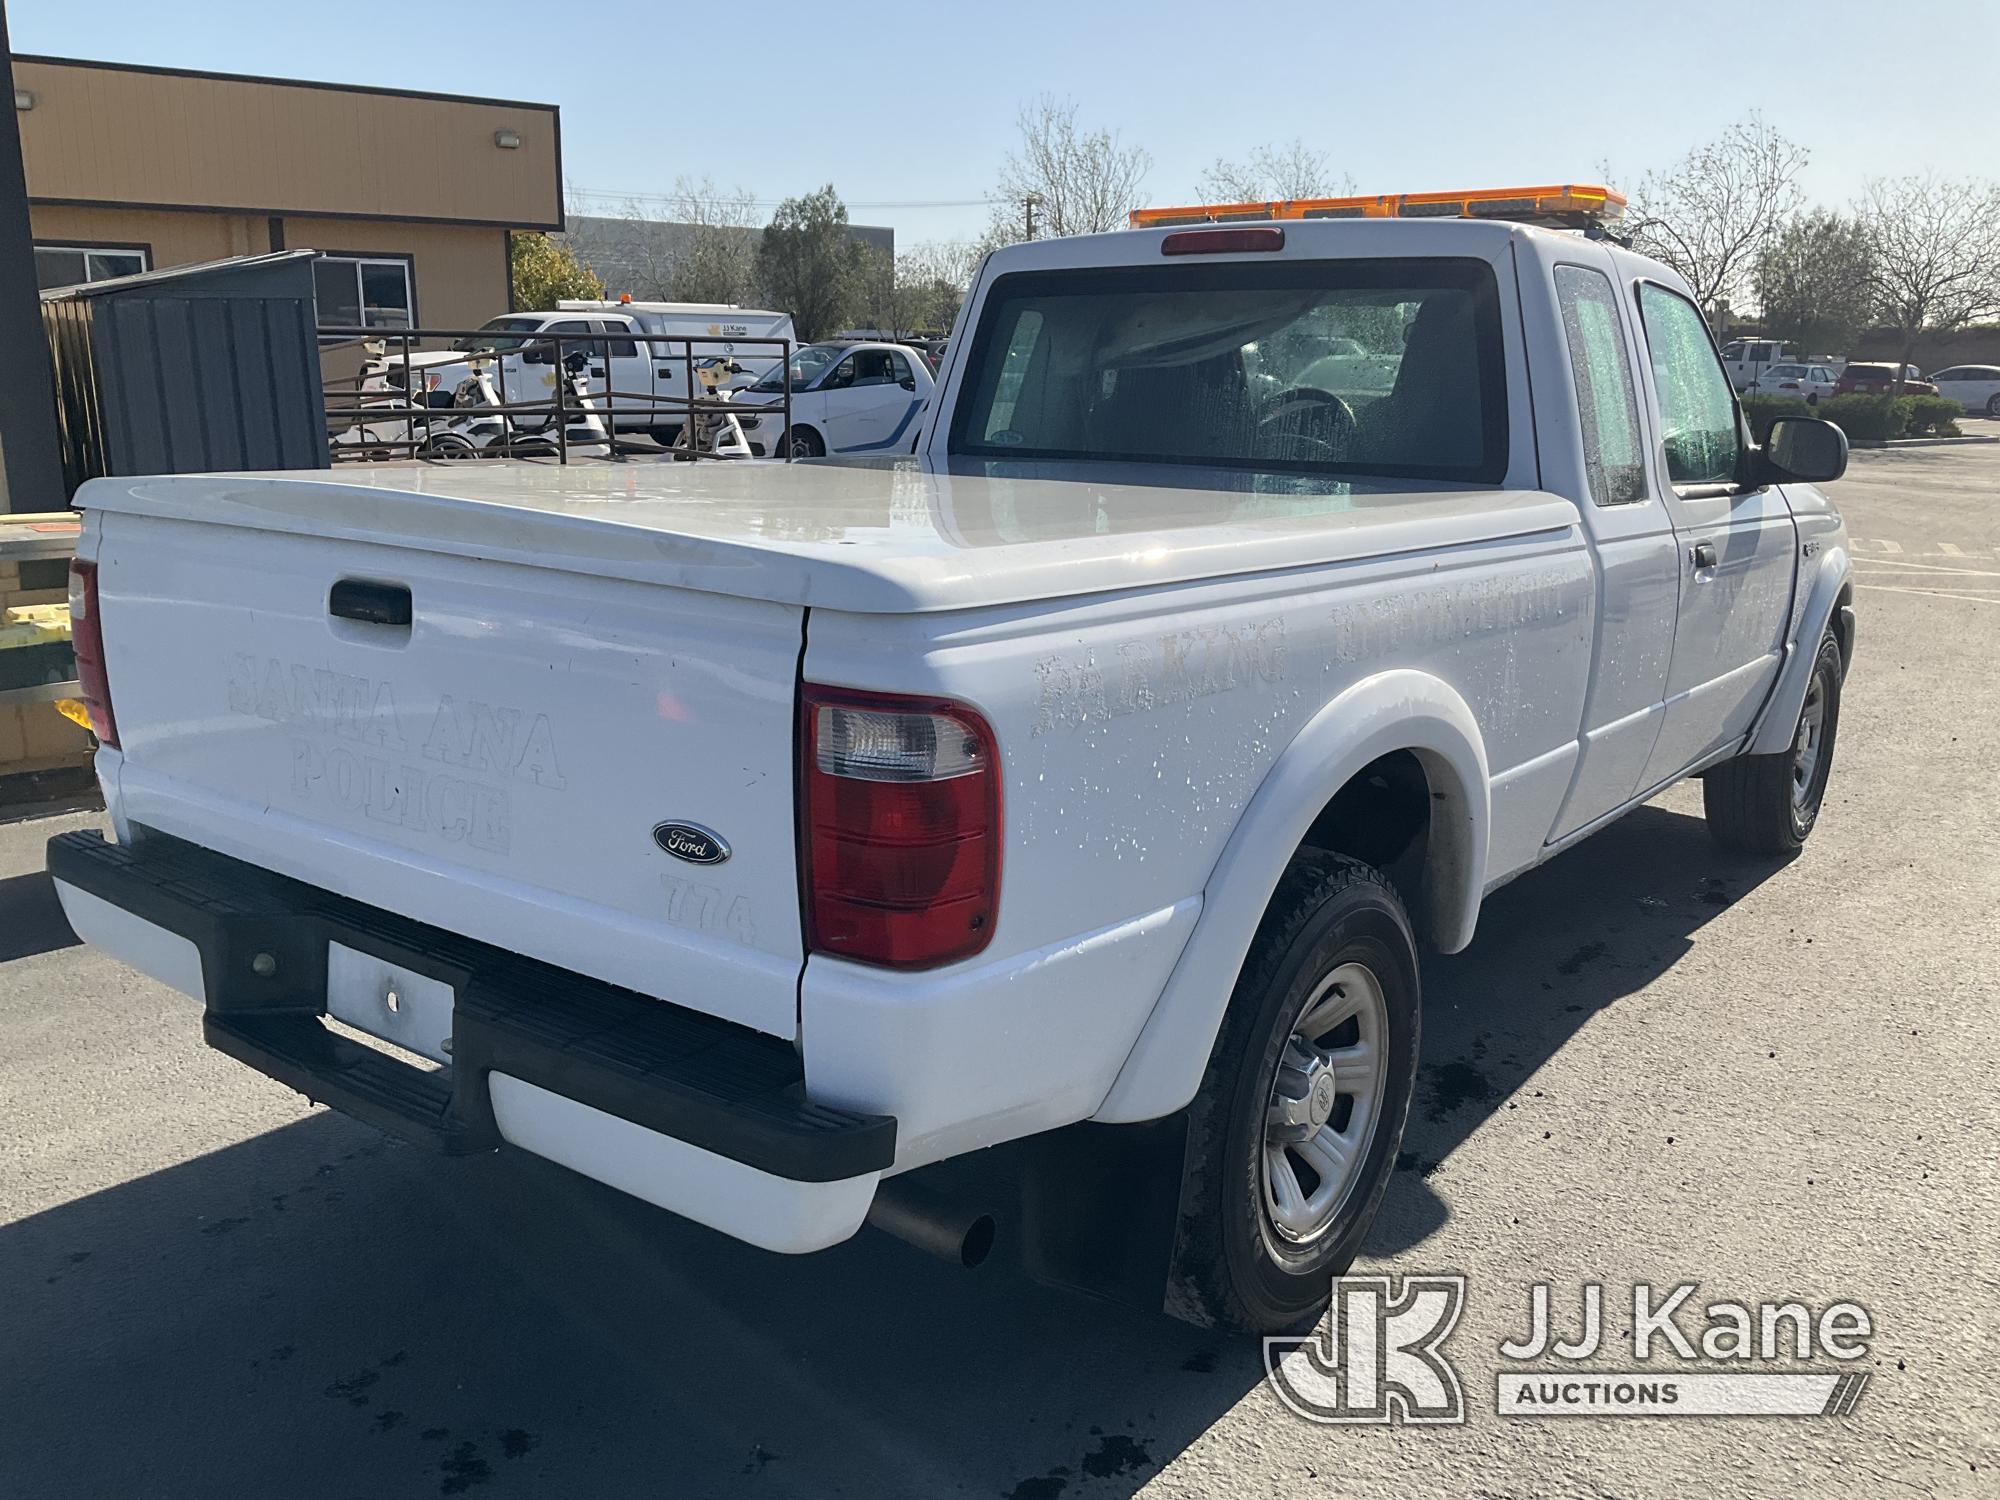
pixel 369 602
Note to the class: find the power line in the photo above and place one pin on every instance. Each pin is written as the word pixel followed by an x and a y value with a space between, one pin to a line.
pixel 618 195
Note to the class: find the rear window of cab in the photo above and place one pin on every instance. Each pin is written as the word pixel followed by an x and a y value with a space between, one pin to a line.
pixel 1378 367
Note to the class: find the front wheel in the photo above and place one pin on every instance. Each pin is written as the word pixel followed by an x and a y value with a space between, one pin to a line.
pixel 1768 804
pixel 803 442
pixel 1293 1134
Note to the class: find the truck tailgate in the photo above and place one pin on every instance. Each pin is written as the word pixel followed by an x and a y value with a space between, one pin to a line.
pixel 496 765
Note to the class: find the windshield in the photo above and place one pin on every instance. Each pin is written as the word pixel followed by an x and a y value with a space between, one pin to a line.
pixel 502 335
pixel 809 362
pixel 1379 367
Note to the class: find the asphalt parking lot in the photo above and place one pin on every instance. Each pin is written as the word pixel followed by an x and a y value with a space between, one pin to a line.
pixel 1656 1063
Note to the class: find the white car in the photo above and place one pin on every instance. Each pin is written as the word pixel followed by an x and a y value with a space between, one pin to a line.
pixel 750 837
pixel 846 398
pixel 1974 387
pixel 1807 383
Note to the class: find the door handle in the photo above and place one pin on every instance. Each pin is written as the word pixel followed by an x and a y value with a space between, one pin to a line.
pixel 1704 556
pixel 370 603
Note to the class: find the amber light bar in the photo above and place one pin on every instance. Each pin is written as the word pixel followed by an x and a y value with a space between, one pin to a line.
pixel 1570 205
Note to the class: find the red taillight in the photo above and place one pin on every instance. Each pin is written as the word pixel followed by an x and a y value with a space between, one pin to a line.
pixel 87 641
pixel 1223 241
pixel 900 828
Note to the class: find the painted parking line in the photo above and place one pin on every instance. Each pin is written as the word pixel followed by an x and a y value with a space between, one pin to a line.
pixel 1887 588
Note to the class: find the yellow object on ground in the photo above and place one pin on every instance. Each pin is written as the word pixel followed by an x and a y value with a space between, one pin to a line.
pixel 33 625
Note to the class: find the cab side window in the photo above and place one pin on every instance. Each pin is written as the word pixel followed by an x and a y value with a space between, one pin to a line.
pixel 899 370
pixel 1697 410
pixel 1613 456
pixel 620 348
pixel 871 367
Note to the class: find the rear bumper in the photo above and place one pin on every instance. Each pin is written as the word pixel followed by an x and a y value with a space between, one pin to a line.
pixel 698 1115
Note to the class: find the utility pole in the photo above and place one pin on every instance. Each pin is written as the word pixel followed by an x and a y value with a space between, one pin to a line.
pixel 31 476
pixel 1028 214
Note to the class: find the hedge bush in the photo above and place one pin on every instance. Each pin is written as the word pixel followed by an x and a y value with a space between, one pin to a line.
pixel 1932 416
pixel 1764 410
pixel 1869 418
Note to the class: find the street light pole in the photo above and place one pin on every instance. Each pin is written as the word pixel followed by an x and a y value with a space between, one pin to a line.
pixel 31 476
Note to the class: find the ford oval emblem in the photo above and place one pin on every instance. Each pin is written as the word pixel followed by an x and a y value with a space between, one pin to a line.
pixel 691 842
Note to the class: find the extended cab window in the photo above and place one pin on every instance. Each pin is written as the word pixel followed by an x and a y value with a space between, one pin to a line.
pixel 1370 367
pixel 1697 408
pixel 1613 456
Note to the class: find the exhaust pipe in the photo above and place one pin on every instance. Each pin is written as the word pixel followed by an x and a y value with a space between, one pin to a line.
pixel 932 1223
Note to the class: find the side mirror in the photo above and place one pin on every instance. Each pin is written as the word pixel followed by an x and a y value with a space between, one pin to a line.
pixel 908 382
pixel 539 354
pixel 1805 450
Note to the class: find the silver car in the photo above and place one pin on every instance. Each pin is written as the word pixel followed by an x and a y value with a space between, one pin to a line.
pixel 1807 383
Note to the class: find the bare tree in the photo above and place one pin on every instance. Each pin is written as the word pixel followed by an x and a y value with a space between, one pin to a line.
pixel 932 279
pixel 1710 214
pixel 1934 246
pixel 718 255
pixel 1271 173
pixel 1078 181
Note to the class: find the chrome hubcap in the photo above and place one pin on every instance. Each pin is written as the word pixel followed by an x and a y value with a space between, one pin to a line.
pixel 1806 747
pixel 1325 1103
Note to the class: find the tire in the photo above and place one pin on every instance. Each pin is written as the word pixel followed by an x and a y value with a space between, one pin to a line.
pixel 1332 923
pixel 666 436
pixel 1769 804
pixel 1993 406
pixel 805 443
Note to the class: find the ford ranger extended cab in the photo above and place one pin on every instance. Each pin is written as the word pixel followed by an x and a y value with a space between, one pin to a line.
pixel 747 836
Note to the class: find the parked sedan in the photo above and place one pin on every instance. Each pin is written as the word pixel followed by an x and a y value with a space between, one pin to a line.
pixel 1805 382
pixel 1974 387
pixel 1880 380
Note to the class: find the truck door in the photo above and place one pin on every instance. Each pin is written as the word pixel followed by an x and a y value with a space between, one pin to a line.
pixel 629 373
pixel 1738 546
pixel 533 373
pixel 1623 510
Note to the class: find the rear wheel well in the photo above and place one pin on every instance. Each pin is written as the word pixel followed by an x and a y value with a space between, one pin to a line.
pixel 1382 817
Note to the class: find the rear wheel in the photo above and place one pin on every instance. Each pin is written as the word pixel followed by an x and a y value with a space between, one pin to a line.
pixel 1293 1134
pixel 1993 406
pixel 1768 804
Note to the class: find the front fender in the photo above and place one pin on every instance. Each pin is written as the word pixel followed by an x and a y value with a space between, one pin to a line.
pixel 1391 711
pixel 1774 731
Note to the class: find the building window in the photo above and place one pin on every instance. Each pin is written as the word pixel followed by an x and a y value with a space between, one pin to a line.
pixel 71 265
pixel 360 291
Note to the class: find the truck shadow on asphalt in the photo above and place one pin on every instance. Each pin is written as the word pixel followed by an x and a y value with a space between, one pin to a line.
pixel 31 918
pixel 317 1310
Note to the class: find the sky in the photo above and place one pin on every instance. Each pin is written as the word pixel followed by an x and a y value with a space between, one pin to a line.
pixel 909 108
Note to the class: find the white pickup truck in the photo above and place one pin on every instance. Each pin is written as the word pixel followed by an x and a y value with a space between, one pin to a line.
pixel 747 836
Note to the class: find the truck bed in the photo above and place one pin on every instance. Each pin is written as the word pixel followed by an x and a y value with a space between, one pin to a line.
pixel 887 536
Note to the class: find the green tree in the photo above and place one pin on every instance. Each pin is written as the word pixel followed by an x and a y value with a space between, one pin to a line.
pixel 1815 282
pixel 809 265
pixel 545 273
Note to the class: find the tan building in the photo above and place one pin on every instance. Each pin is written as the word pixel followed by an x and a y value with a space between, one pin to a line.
pixel 412 196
